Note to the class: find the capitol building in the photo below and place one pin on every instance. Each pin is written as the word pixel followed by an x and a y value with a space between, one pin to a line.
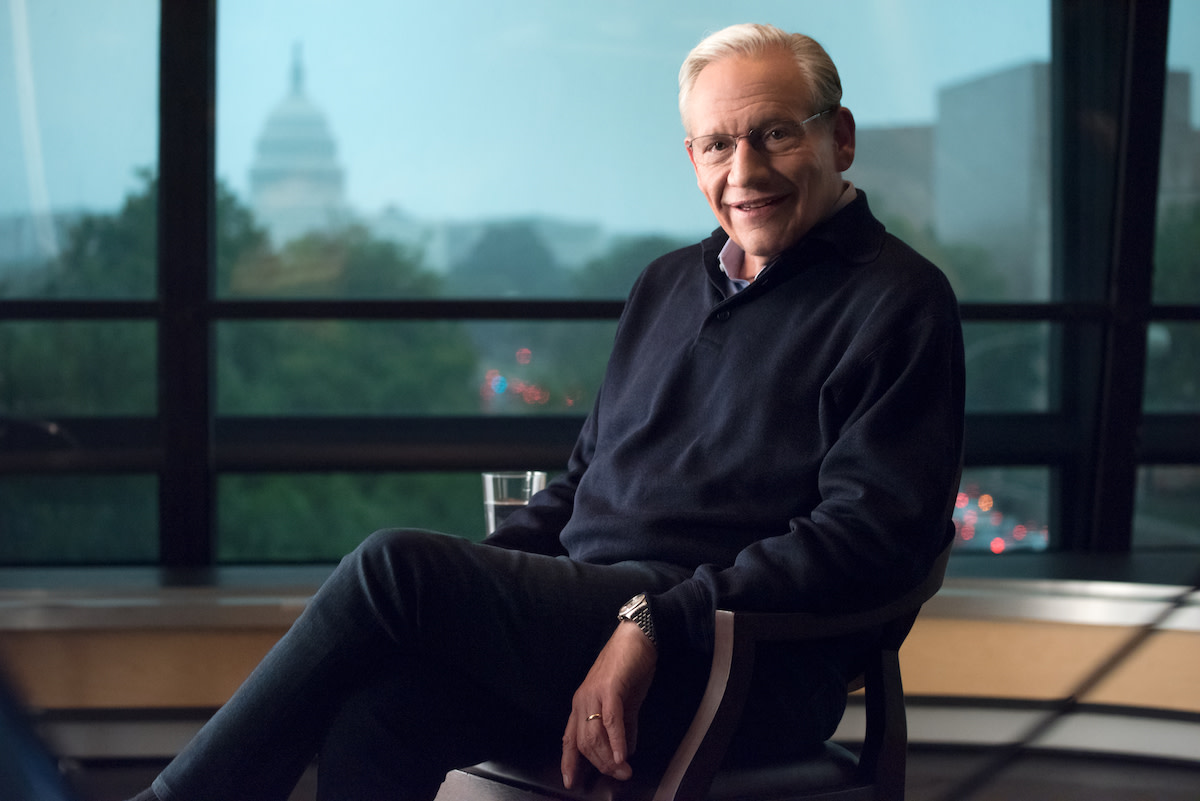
pixel 296 183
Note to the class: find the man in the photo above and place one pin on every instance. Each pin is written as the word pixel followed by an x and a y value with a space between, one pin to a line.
pixel 780 428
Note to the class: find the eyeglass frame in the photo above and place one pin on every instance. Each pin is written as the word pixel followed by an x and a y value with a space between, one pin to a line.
pixel 755 137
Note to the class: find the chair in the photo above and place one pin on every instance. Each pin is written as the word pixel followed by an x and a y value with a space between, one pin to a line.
pixel 696 771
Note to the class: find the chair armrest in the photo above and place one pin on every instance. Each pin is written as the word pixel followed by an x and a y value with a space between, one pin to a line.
pixel 756 627
pixel 736 637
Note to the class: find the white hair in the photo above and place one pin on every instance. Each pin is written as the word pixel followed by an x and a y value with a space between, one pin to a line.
pixel 749 39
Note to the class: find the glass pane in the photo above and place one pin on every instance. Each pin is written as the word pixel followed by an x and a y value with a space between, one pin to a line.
pixel 321 517
pixel 1003 509
pixel 1173 368
pixel 50 369
pixel 78 519
pixel 79 123
pixel 1007 366
pixel 1177 252
pixel 1167 513
pixel 540 153
pixel 441 367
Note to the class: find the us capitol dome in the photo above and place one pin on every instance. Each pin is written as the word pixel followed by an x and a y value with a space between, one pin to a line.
pixel 296 182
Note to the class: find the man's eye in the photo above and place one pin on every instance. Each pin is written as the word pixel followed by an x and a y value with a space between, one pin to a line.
pixel 716 146
pixel 780 134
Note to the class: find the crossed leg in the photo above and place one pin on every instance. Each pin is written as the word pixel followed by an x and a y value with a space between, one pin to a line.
pixel 421 652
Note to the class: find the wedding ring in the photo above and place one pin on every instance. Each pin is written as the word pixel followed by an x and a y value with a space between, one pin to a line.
pixel 594 716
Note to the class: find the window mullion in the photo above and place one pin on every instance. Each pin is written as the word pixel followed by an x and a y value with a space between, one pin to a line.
pixel 1130 275
pixel 187 92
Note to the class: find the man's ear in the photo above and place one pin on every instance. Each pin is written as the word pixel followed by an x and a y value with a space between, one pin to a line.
pixel 696 169
pixel 843 139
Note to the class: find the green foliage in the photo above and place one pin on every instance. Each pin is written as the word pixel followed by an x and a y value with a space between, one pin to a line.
pixel 541 367
pixel 969 267
pixel 612 274
pixel 89 367
pixel 509 260
pixel 314 367
pixel 74 367
pixel 240 240
pixel 78 519
pixel 111 256
pixel 303 518
pixel 278 368
pixel 386 367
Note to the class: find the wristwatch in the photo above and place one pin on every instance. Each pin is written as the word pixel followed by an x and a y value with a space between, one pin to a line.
pixel 637 610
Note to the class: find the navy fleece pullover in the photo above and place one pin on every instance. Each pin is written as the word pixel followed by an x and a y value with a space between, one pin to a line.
pixel 797 444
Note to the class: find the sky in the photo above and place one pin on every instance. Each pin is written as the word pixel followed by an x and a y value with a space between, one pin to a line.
pixel 459 110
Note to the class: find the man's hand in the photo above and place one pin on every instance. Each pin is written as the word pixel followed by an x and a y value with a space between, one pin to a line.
pixel 614 689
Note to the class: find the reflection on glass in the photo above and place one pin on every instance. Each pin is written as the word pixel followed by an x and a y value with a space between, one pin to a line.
pixel 57 368
pixel 991 183
pixel 538 152
pixel 1167 512
pixel 79 126
pixel 78 520
pixel 321 517
pixel 1003 509
pixel 1176 264
pixel 1007 366
pixel 1173 368
pixel 338 367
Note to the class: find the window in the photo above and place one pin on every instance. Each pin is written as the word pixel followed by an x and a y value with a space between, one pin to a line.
pixel 77 233
pixel 364 183
pixel 472 165
pixel 66 198
pixel 1002 510
pixel 420 231
pixel 1167 506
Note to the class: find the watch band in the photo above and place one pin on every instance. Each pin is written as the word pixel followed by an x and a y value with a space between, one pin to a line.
pixel 637 611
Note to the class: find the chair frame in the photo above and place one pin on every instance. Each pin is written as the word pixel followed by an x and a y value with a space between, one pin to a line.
pixel 691 772
pixel 883 756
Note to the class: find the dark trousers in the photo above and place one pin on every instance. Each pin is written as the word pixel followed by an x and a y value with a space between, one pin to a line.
pixel 421 653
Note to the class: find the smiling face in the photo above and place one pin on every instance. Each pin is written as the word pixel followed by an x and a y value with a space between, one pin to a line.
pixel 767 203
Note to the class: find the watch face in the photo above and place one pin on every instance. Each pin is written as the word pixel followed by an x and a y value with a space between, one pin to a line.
pixel 632 604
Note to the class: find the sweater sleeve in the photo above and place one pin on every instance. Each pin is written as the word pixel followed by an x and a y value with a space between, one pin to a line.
pixel 894 415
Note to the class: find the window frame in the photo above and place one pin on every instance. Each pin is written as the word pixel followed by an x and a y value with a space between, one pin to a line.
pixel 1094 439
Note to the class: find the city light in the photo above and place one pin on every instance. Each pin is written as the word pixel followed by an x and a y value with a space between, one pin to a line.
pixel 983 522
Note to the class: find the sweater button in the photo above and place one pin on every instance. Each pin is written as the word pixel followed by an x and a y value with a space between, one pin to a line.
pixel 723 315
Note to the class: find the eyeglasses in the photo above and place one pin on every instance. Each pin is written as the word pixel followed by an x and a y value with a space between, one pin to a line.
pixel 774 139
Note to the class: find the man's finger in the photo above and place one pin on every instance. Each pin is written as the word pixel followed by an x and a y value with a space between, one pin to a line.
pixel 570 754
pixel 593 742
pixel 615 728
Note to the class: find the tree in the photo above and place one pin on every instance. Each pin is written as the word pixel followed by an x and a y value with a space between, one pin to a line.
pixel 509 260
pixel 101 368
pixel 612 274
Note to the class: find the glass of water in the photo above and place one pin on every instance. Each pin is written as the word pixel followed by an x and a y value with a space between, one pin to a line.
pixel 504 492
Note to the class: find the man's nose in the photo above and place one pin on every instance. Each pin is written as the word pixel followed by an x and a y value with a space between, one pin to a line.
pixel 747 164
